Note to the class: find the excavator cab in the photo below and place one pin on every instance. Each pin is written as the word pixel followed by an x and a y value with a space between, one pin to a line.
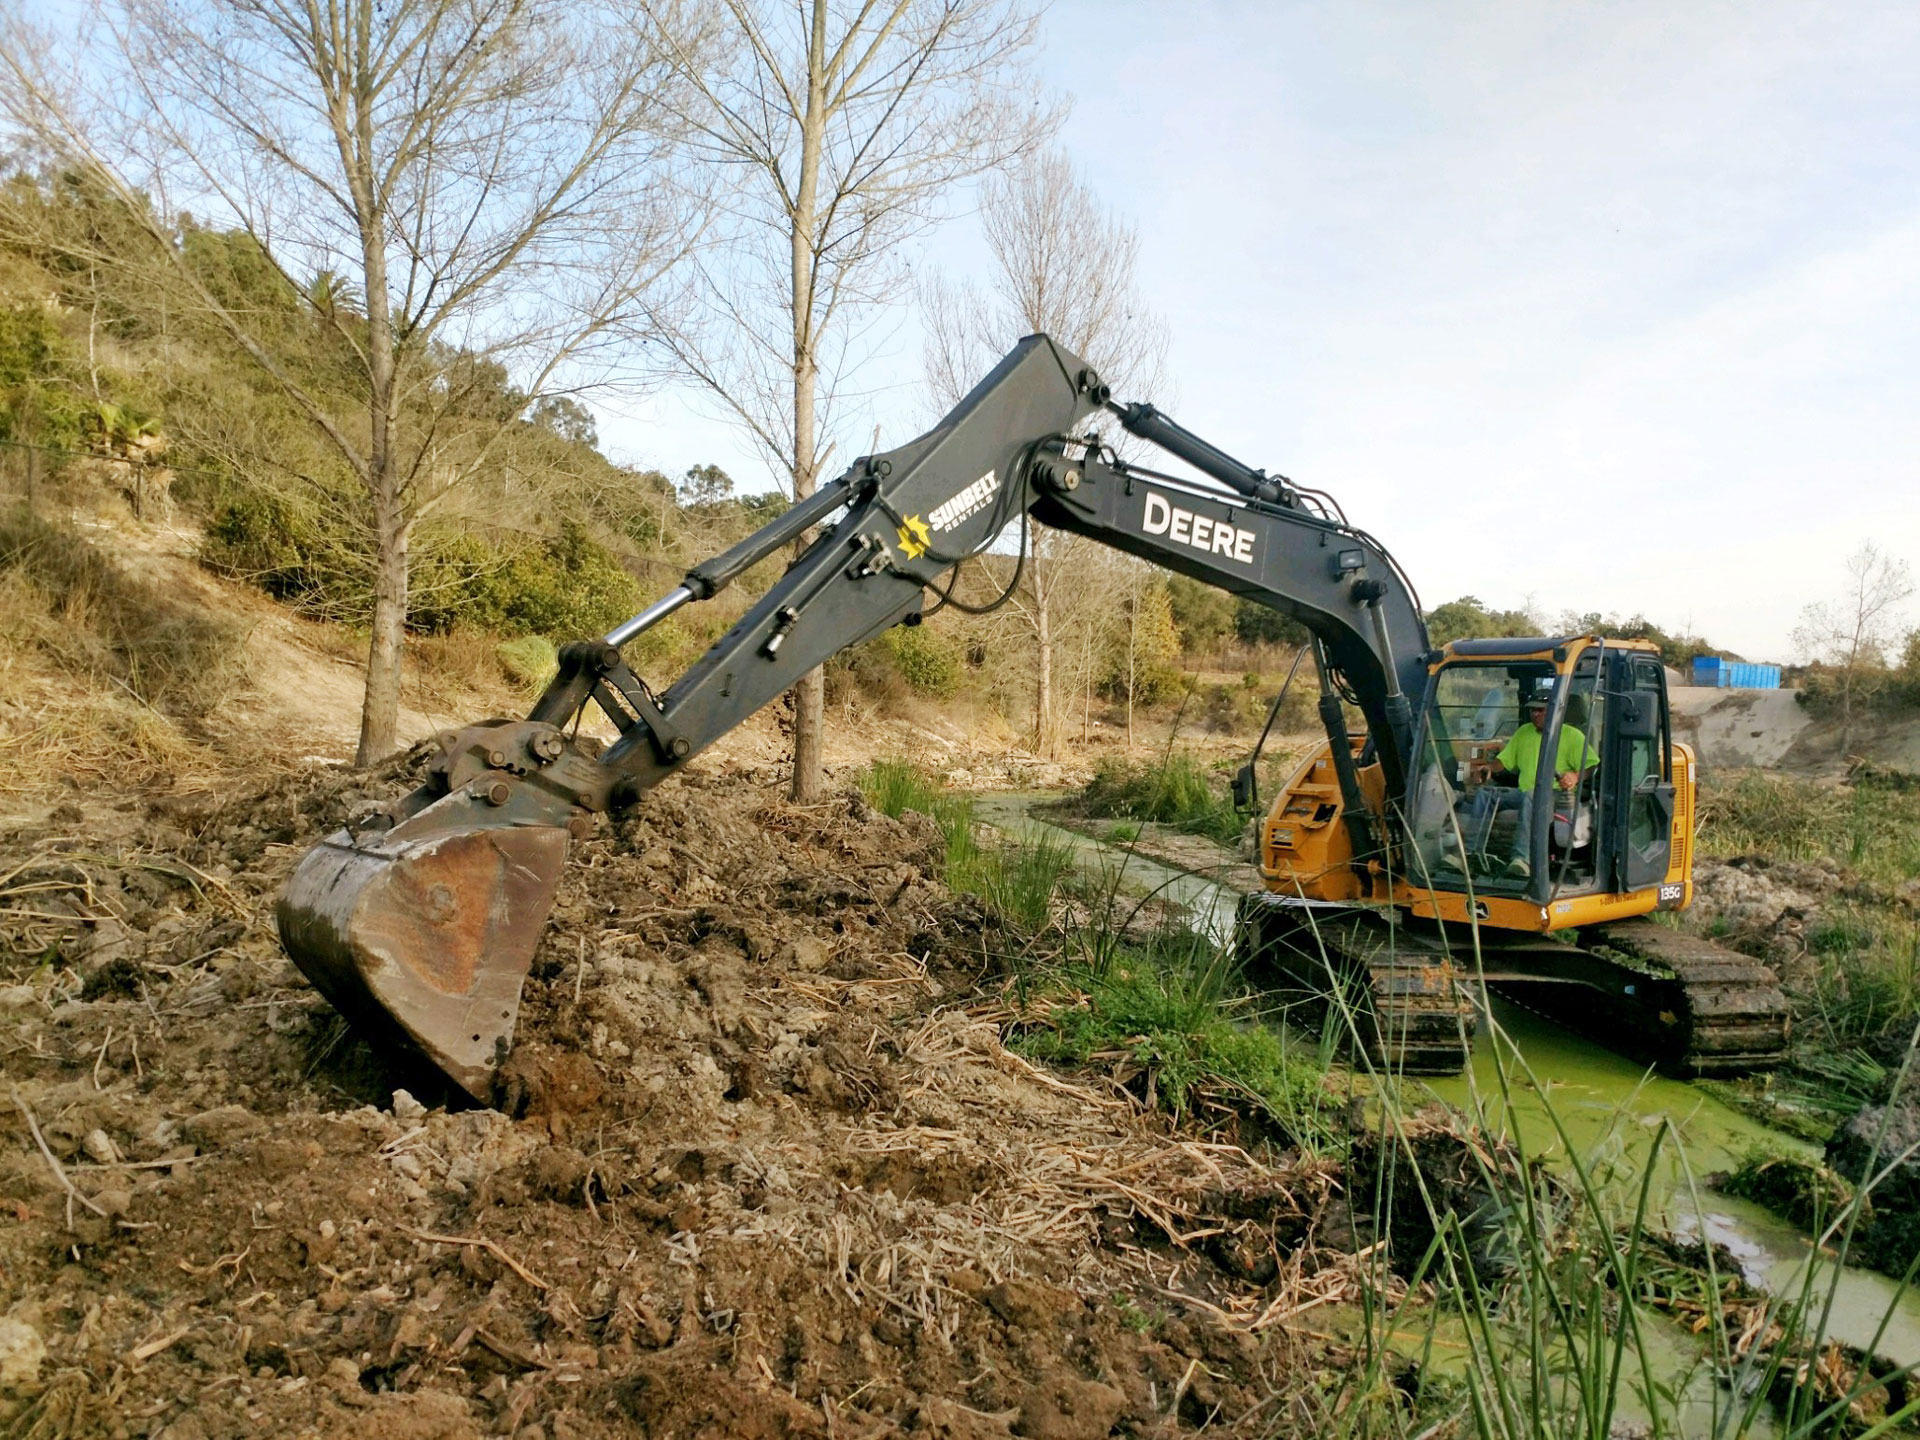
pixel 1581 810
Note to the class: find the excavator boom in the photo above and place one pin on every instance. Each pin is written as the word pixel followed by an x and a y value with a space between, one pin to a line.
pixel 421 924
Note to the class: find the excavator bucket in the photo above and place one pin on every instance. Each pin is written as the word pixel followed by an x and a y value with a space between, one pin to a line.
pixel 421 935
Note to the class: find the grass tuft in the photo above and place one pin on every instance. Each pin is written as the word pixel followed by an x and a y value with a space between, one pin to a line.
pixel 1178 791
pixel 530 661
pixel 894 786
pixel 1797 1190
pixel 1871 827
pixel 1017 880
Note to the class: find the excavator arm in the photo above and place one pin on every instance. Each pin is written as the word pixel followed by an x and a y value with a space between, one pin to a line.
pixel 420 926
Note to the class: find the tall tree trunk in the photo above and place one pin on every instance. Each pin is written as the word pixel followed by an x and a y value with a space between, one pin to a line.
pixel 1043 700
pixel 392 526
pixel 1133 627
pixel 1043 639
pixel 380 714
pixel 809 694
pixel 1086 685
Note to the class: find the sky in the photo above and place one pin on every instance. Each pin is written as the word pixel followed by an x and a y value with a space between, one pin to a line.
pixel 1606 307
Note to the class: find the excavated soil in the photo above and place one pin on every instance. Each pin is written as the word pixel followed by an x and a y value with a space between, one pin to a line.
pixel 759 1171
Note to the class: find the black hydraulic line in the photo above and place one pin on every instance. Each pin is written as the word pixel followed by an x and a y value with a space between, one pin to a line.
pixel 1252 768
pixel 1333 509
pixel 947 597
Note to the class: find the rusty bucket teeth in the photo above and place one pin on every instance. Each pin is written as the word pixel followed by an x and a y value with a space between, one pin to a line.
pixel 422 936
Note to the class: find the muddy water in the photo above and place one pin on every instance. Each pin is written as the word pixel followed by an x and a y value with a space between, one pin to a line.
pixel 1609 1111
pixel 1561 1095
pixel 1209 904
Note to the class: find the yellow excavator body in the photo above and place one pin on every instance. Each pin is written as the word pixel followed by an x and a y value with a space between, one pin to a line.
pixel 1421 907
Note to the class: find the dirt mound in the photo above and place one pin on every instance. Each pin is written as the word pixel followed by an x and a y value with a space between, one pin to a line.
pixel 759 1172
pixel 1435 1179
pixel 1763 907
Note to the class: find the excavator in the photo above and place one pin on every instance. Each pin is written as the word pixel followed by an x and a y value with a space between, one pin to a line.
pixel 1406 867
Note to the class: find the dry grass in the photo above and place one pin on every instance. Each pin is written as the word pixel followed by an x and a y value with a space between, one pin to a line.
pixel 1049 1181
pixel 100 670
pixel 63 597
pixel 459 672
pixel 103 739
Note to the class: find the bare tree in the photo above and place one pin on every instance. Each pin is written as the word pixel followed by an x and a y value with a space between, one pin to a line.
pixel 1852 632
pixel 1063 264
pixel 835 130
pixel 486 177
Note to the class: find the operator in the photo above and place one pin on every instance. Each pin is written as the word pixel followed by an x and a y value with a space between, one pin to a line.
pixel 1519 762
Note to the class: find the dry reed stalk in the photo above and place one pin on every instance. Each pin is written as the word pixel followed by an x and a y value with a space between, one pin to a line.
pixel 482 1243
pixel 73 1192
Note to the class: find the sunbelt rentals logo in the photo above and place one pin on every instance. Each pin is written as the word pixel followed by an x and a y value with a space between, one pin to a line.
pixel 968 503
pixel 914 538
pixel 916 535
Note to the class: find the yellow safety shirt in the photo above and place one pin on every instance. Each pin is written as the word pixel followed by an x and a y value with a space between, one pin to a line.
pixel 1522 752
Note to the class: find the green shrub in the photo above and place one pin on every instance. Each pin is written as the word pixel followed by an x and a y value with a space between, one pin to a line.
pixel 928 661
pixel 671 646
pixel 294 554
pixel 1228 709
pixel 317 558
pixel 1155 682
pixel 30 344
pixel 568 587
pixel 37 404
pixel 1177 792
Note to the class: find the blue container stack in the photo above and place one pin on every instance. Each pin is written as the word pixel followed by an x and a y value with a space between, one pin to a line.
pixel 1714 673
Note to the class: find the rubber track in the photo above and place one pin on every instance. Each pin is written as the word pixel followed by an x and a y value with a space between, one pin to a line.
pixel 1682 1002
pixel 1729 1015
pixel 1410 1009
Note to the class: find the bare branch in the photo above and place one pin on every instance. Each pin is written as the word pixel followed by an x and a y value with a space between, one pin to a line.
pixel 1062 265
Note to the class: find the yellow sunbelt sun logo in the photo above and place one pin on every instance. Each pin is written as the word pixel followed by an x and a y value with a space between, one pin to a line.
pixel 914 537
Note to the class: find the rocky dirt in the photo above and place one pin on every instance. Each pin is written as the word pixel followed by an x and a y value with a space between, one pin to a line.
pixel 1772 909
pixel 764 1169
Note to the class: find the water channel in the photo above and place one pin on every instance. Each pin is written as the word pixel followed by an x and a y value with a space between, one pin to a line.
pixel 1560 1091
